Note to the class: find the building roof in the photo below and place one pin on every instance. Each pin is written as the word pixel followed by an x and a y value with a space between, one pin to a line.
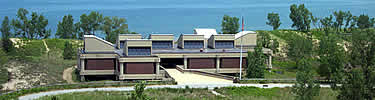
pixel 242 33
pixel 206 32
pixel 100 39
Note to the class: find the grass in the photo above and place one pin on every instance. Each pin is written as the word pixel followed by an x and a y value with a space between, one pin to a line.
pixel 230 93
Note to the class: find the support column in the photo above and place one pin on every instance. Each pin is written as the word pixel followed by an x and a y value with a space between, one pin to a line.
pixel 185 63
pixel 157 70
pixel 82 65
pixel 82 70
pixel 121 68
pixel 217 64
pixel 270 61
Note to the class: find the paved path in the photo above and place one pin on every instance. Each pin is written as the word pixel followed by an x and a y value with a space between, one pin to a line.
pixel 209 86
pixel 191 78
pixel 67 75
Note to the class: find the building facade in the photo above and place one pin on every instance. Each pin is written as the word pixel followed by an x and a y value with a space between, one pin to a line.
pixel 134 57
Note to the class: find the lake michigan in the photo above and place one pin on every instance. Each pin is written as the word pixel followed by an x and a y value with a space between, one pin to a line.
pixel 182 16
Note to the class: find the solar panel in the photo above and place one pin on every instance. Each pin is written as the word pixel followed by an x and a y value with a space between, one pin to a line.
pixel 224 44
pixel 193 44
pixel 139 51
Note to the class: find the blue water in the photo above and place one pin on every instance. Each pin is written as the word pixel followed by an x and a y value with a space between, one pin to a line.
pixel 182 16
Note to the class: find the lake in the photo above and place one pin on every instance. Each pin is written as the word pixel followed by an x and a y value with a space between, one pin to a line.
pixel 182 16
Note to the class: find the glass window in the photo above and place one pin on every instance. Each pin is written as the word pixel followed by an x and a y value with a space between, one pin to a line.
pixel 193 44
pixel 122 44
pixel 139 51
pixel 224 44
pixel 162 44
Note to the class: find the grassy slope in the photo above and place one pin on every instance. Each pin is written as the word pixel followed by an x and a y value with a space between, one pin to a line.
pixel 33 60
pixel 230 93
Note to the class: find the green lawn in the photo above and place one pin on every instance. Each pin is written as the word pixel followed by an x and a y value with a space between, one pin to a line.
pixel 230 93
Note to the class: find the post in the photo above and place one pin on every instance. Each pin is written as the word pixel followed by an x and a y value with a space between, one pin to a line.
pixel 217 64
pixel 185 63
pixel 82 70
pixel 157 68
pixel 241 49
pixel 270 61
pixel 121 68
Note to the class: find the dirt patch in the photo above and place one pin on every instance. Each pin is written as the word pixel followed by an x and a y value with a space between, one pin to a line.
pixel 67 74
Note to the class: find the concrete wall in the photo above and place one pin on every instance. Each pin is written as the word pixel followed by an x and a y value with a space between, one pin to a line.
pixel 94 44
pixel 247 40
pixel 123 37
pixel 136 43
pixel 222 37
pixel 182 38
pixel 159 37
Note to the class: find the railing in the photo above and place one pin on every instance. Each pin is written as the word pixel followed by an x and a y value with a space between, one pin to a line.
pixel 166 74
pixel 227 77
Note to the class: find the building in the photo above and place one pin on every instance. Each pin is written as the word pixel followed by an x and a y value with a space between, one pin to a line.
pixel 133 57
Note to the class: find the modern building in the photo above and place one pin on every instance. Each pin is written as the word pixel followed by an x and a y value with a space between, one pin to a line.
pixel 134 57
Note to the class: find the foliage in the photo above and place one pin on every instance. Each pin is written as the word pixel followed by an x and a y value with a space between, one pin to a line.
pixel 256 66
pixel 363 56
pixel 113 26
pixel 273 20
pixel 305 88
pixel 300 16
pixel 264 39
pixel 332 59
pixel 353 87
pixel 89 24
pixel 68 51
pixel 3 57
pixel 230 25
pixel 327 22
pixel 138 93
pixel 299 47
pixel 6 34
pixel 34 28
pixel 3 71
pixel 364 21
pixel 66 28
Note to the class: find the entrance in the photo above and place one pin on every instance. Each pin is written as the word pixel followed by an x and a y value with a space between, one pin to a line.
pixel 171 62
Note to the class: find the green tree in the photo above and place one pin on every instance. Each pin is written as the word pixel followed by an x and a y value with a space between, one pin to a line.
pixel 114 26
pixel 6 34
pixel 68 51
pixel 256 66
pixel 353 87
pixel 363 56
pixel 300 16
pixel 263 39
pixel 66 28
pixel 327 23
pixel 3 57
pixel 89 24
pixel 314 20
pixel 138 93
pixel 348 18
pixel 230 25
pixel 299 47
pixel 34 28
pixel 332 60
pixel 339 16
pixel 364 21
pixel 305 88
pixel 273 20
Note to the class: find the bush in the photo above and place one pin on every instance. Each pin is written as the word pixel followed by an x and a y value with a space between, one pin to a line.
pixel 68 51
pixel 138 94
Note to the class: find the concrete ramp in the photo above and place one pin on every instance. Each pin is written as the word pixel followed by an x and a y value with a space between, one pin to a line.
pixel 192 78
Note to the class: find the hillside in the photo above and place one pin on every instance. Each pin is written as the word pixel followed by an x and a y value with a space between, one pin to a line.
pixel 37 62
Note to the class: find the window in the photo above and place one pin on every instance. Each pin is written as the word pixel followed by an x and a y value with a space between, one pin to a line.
pixel 122 44
pixel 224 44
pixel 162 44
pixel 139 51
pixel 193 44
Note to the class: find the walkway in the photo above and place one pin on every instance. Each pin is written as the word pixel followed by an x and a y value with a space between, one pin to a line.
pixel 209 86
pixel 191 78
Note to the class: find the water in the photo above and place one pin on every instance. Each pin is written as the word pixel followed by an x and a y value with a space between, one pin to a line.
pixel 182 16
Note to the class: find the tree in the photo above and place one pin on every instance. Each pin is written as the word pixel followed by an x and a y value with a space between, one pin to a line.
pixel 314 20
pixel 114 26
pixel 348 18
pixel 34 28
pixel 66 28
pixel 299 47
pixel 332 60
pixel 263 39
pixel 273 20
pixel 339 16
pixel 230 25
pixel 327 23
pixel 305 88
pixel 256 66
pixel 91 23
pixel 300 17
pixel 353 87
pixel 364 21
pixel 3 57
pixel 68 51
pixel 6 34
pixel 138 94
pixel 363 56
